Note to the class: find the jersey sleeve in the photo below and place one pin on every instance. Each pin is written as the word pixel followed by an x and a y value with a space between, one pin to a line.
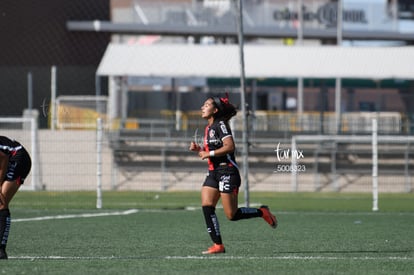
pixel 224 131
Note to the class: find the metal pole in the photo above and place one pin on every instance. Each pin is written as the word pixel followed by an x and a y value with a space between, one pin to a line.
pixel 374 165
pixel 300 43
pixel 300 27
pixel 99 163
pixel 253 108
pixel 294 178
pixel 338 88
pixel 124 101
pixel 339 24
pixel 335 186
pixel 245 150
pixel 53 98
pixel 394 14
pixel 34 152
pixel 338 83
pixel 98 105
pixel 178 112
pixel 29 91
pixel 408 188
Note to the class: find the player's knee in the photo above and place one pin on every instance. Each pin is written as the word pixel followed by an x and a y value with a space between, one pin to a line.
pixel 237 215
pixel 232 216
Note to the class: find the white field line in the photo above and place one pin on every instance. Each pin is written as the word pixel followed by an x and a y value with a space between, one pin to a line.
pixel 133 211
pixel 290 257
pixel 72 216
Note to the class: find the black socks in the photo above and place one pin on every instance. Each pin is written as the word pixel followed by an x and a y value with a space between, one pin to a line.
pixel 246 213
pixel 5 222
pixel 212 223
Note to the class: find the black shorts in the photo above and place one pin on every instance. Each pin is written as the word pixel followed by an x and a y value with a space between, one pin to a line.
pixel 19 167
pixel 225 178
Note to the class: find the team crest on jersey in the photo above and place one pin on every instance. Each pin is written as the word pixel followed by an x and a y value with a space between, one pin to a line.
pixel 211 133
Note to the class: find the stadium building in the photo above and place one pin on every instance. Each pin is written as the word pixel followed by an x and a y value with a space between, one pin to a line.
pixel 266 23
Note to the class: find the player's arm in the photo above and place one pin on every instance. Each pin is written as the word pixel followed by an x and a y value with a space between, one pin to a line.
pixel 227 148
pixel 4 162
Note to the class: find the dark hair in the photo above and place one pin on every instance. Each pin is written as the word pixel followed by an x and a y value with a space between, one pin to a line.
pixel 226 110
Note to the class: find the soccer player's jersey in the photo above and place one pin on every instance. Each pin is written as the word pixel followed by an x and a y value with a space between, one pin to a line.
pixel 8 146
pixel 213 139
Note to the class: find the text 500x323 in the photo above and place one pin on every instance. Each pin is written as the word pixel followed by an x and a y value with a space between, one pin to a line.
pixel 290 168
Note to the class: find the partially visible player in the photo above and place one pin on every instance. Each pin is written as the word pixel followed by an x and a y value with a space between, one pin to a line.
pixel 223 179
pixel 15 164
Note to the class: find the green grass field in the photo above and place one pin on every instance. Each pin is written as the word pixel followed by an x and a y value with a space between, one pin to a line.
pixel 164 233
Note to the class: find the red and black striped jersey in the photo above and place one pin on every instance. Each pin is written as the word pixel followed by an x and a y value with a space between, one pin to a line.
pixel 213 140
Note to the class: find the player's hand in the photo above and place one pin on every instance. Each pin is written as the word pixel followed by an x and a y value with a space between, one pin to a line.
pixel 203 154
pixel 194 147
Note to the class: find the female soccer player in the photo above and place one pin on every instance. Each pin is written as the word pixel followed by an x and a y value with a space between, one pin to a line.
pixel 15 164
pixel 223 179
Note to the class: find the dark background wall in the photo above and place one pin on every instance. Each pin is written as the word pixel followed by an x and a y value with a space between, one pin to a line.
pixel 34 37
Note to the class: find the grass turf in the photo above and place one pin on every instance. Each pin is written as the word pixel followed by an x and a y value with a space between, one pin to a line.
pixel 325 233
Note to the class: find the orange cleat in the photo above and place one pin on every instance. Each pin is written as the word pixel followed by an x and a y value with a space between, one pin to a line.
pixel 216 248
pixel 268 216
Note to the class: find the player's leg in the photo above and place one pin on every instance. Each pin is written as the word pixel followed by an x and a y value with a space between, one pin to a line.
pixel 229 199
pixel 235 213
pixel 209 199
pixel 229 187
pixel 7 192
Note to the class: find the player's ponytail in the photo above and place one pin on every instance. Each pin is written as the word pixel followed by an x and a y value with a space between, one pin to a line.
pixel 226 110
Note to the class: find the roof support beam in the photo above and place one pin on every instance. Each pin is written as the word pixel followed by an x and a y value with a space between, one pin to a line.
pixel 230 31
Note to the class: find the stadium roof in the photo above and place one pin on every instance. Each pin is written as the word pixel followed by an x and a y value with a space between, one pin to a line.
pixel 222 61
pixel 227 30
